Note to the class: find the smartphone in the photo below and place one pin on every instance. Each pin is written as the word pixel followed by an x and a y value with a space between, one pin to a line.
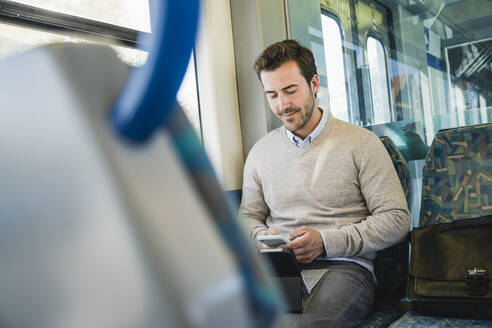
pixel 273 240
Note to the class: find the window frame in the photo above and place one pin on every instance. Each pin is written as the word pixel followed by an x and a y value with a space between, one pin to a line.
pixel 51 21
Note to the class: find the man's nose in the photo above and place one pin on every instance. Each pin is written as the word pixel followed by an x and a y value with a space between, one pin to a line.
pixel 284 102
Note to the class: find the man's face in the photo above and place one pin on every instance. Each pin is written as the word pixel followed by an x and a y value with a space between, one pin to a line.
pixel 290 97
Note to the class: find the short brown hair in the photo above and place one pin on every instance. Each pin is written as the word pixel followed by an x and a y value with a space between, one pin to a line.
pixel 280 52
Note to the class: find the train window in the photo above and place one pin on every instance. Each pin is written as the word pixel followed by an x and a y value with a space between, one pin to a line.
pixel 332 39
pixel 16 39
pixel 41 26
pixel 127 13
pixel 379 81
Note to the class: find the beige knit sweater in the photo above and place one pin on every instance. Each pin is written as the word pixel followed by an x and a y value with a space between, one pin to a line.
pixel 343 184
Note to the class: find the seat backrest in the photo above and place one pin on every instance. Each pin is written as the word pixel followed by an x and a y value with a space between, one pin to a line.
pixel 391 264
pixel 85 216
pixel 399 162
pixel 457 175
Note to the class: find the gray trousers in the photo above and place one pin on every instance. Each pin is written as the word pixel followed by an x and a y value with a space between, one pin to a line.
pixel 342 299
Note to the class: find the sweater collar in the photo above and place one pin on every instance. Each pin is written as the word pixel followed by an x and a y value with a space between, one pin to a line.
pixel 313 135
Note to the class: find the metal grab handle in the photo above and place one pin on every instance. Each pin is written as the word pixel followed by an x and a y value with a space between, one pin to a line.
pixel 150 92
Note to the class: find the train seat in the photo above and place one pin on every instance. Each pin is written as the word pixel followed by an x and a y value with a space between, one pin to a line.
pixel 412 319
pixel 391 264
pixel 456 184
pixel 456 179
pixel 96 231
pixel 399 162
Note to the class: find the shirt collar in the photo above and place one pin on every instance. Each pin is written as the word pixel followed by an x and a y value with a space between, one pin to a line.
pixel 313 135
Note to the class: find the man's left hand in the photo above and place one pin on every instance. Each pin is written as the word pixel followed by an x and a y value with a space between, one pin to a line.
pixel 306 243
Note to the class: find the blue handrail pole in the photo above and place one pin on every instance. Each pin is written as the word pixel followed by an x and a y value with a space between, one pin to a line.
pixel 150 92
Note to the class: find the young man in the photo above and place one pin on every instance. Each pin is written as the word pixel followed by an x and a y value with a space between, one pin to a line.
pixel 328 185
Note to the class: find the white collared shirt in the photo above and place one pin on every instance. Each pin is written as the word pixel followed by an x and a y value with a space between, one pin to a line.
pixel 313 135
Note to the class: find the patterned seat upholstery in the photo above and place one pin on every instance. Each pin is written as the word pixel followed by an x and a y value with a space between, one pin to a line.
pixel 457 175
pixel 414 320
pixel 400 164
pixel 391 264
pixel 382 316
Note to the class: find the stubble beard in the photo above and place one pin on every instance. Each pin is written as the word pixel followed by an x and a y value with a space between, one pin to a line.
pixel 306 115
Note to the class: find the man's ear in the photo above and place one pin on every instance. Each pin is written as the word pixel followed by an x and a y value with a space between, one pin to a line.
pixel 314 84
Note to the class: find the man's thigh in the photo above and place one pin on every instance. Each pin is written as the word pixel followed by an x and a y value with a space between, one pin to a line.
pixel 342 299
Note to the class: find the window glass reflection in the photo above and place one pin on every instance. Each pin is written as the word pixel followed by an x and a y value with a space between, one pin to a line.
pixel 379 81
pixel 127 13
pixel 332 39
pixel 16 40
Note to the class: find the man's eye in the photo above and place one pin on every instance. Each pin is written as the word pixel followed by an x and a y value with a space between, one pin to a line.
pixel 290 91
pixel 272 95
